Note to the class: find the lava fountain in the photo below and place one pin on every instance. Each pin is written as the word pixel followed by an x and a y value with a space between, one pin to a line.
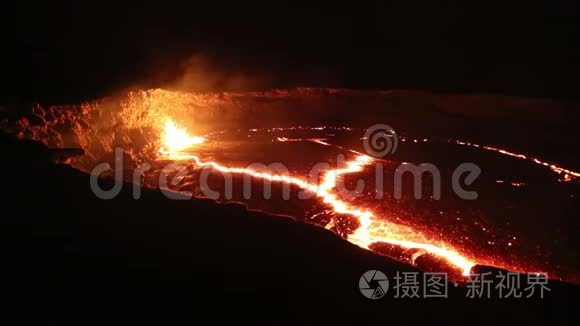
pixel 175 139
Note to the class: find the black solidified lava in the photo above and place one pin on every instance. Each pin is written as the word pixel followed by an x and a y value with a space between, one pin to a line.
pixel 70 257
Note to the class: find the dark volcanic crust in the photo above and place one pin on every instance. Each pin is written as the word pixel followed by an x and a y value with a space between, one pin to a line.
pixel 68 256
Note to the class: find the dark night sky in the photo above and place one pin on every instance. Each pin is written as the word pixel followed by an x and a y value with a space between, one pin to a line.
pixel 72 51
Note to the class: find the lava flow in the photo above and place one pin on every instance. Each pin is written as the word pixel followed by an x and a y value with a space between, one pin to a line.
pixel 568 175
pixel 371 228
pixel 156 124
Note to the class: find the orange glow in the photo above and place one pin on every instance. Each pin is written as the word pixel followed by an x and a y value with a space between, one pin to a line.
pixel 139 123
pixel 372 229
pixel 177 139
pixel 568 174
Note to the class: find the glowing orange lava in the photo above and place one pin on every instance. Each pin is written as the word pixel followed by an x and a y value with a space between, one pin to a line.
pixel 568 175
pixel 372 229
pixel 138 122
pixel 175 139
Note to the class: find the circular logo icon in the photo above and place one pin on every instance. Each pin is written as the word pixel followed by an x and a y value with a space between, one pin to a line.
pixel 373 284
pixel 380 140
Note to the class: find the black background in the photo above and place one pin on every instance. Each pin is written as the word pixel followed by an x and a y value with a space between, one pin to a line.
pixel 70 51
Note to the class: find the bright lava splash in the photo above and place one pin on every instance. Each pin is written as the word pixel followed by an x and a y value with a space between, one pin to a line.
pixel 371 229
pixel 176 139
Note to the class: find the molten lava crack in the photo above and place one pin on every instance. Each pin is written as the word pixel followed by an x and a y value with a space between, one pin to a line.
pixel 371 229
